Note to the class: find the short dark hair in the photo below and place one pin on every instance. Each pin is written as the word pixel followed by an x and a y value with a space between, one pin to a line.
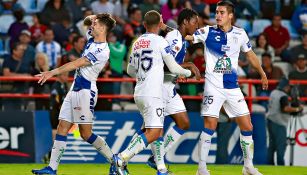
pixel 266 54
pixel 15 46
pixel 107 20
pixel 229 6
pixel 76 38
pixel 186 14
pixel 152 18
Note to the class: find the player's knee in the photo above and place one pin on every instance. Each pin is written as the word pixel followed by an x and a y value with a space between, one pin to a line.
pixel 85 135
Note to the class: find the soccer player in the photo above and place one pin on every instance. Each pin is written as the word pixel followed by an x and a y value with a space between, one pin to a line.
pixel 78 105
pixel 148 55
pixel 174 106
pixel 223 44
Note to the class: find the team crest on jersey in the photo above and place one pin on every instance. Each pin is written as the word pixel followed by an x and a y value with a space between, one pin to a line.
pixel 223 65
pixel 159 111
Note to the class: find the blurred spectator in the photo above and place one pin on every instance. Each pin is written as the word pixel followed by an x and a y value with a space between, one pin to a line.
pixel 17 26
pixel 37 29
pixel 75 52
pixel 278 38
pixel 149 5
pixel 29 54
pixel 269 8
pixel 9 6
pixel 69 45
pixel 262 46
pixel 134 27
pixel 63 30
pixel 299 49
pixel 121 11
pixel 12 67
pixel 300 73
pixel 117 55
pixel 80 25
pixel 76 8
pixel 102 6
pixel 41 65
pixel 51 48
pixel 171 10
pixel 278 117
pixel 299 17
pixel 242 5
pixel 59 90
pixel 53 12
pixel 287 8
pixel 200 7
pixel 272 72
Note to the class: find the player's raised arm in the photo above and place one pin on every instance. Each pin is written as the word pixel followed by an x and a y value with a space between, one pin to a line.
pixel 44 76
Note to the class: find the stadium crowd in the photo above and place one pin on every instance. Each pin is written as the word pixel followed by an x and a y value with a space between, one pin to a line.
pixel 41 35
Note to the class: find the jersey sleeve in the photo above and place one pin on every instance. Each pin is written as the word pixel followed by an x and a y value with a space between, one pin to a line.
pixel 201 35
pixel 98 54
pixel 165 48
pixel 245 45
pixel 174 40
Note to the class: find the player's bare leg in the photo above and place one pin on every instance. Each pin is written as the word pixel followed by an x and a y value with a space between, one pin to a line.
pixel 210 124
pixel 247 144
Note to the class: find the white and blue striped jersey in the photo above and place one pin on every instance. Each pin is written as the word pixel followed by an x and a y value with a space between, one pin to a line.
pixel 222 53
pixel 98 54
pixel 178 49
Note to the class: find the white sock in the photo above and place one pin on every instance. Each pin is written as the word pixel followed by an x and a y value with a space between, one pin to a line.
pixel 135 146
pixel 171 137
pixel 204 147
pixel 102 147
pixel 247 146
pixel 58 149
pixel 157 148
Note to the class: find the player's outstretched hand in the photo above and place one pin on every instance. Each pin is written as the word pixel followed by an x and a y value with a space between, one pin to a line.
pixel 264 82
pixel 44 76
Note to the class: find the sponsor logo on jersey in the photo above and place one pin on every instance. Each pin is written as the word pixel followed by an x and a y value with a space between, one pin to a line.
pixel 141 44
pixel 223 65
pixel 218 38
pixel 225 48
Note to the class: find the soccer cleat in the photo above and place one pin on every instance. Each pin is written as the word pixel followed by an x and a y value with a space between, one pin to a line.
pixel 45 171
pixel 250 171
pixel 119 165
pixel 202 172
pixel 152 163
pixel 126 170
pixel 166 173
pixel 112 170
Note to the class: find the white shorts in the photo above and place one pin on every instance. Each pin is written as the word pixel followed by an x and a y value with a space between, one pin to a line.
pixel 232 100
pixel 172 100
pixel 152 110
pixel 78 107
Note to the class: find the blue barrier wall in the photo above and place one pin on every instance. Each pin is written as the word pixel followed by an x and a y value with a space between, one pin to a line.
pixel 119 127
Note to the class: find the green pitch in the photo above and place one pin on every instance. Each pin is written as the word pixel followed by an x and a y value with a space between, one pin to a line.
pixel 140 169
